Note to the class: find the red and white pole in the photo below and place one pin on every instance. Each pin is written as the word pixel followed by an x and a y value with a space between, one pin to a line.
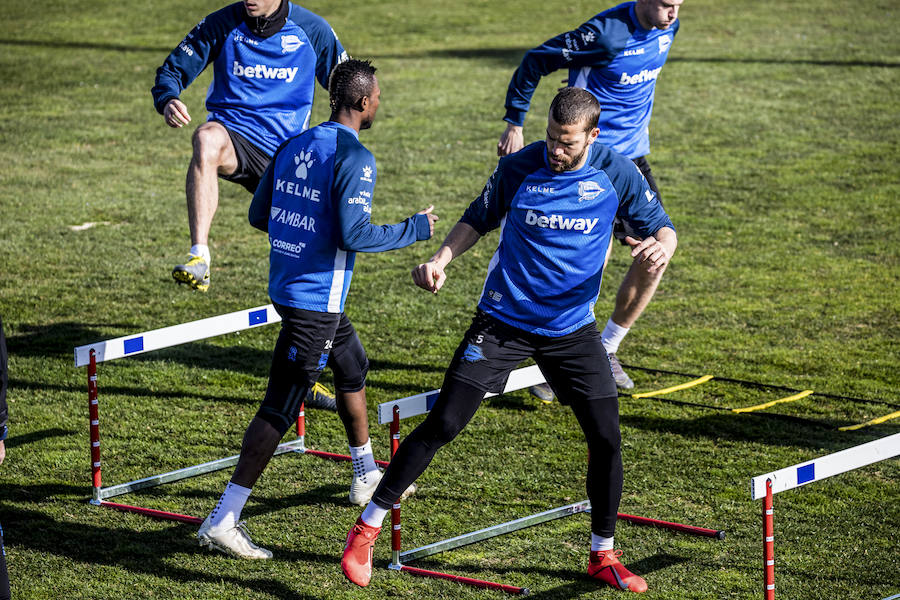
pixel 769 542
pixel 94 415
pixel 301 424
pixel 395 508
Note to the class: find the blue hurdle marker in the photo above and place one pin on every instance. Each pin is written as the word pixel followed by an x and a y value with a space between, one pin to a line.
pixel 132 345
pixel 765 486
pixel 393 411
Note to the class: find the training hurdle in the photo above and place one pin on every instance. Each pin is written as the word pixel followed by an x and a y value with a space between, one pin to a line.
pixel 132 345
pixel 764 487
pixel 393 411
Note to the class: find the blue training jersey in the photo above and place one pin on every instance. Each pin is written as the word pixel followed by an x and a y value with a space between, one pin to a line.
pixel 612 57
pixel 555 229
pixel 315 200
pixel 262 87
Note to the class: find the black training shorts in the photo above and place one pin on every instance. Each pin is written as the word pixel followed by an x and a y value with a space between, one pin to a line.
pixel 307 343
pixel 575 365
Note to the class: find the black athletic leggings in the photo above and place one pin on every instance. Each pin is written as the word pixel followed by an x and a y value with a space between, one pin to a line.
pixel 454 408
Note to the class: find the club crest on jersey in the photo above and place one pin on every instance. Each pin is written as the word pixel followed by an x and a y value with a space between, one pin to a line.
pixel 664 43
pixel 290 43
pixel 473 353
pixel 588 190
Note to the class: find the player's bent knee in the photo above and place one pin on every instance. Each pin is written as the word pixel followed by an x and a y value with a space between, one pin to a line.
pixel 210 141
pixel 350 367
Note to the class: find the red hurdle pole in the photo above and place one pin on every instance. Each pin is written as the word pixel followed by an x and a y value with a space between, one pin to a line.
pixel 152 512
pixel 480 583
pixel 395 508
pixel 769 542
pixel 301 420
pixel 94 415
pixel 690 529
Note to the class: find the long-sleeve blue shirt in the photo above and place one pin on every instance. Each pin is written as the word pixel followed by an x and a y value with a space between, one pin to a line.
pixel 554 231
pixel 262 87
pixel 612 57
pixel 315 200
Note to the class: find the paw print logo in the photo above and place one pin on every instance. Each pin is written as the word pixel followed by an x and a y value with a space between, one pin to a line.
pixel 304 162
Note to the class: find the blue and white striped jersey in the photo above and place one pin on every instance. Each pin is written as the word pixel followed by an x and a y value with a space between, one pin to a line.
pixel 554 231
pixel 262 87
pixel 612 57
pixel 315 200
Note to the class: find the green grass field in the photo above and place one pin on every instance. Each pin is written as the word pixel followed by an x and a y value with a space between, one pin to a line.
pixel 775 144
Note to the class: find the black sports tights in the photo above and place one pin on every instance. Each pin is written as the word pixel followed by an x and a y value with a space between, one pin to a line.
pixel 456 405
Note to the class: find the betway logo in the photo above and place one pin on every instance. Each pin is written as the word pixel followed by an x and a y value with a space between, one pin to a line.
pixel 560 222
pixel 263 72
pixel 645 75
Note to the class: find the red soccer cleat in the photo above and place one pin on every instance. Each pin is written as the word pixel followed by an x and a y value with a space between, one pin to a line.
pixel 605 566
pixel 357 560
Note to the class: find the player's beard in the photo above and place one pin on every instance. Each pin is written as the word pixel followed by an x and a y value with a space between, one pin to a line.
pixel 566 165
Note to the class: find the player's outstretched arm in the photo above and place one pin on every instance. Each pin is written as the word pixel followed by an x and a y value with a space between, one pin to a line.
pixel 512 140
pixel 430 276
pixel 176 113
pixel 431 219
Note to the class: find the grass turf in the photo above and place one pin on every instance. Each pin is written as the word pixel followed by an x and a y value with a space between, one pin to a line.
pixel 775 145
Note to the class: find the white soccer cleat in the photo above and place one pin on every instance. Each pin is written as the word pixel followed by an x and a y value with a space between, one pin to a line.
pixel 363 487
pixel 231 540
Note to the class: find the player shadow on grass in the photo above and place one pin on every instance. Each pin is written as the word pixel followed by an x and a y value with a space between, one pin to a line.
pixel 56 340
pixel 150 553
pixel 511 56
pixel 61 45
pixel 25 439
pixel 765 428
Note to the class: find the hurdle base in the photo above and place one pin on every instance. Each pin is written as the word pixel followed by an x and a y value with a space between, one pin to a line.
pixel 99 494
pixel 151 512
pixel 335 457
pixel 479 583
pixel 556 513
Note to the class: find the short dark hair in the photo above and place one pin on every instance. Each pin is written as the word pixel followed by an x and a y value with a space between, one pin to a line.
pixel 349 82
pixel 574 106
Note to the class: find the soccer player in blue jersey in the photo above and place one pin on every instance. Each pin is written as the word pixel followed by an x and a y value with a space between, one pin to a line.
pixel 617 56
pixel 554 203
pixel 315 201
pixel 266 57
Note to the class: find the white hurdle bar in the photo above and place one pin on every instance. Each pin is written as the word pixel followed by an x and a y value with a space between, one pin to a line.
pixel 393 411
pixel 131 345
pixel 766 486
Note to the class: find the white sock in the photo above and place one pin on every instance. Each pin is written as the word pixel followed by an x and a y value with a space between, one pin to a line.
pixel 362 459
pixel 228 510
pixel 201 250
pixel 598 542
pixel 374 515
pixel 612 336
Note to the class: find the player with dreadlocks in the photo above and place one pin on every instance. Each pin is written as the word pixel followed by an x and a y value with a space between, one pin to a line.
pixel 315 202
